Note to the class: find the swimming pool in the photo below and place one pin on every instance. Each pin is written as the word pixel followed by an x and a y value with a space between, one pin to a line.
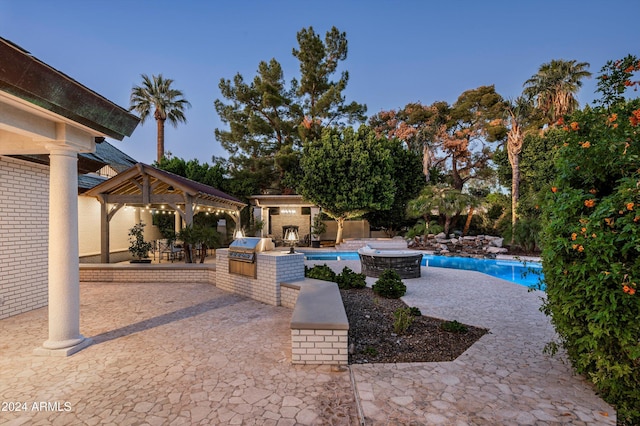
pixel 510 270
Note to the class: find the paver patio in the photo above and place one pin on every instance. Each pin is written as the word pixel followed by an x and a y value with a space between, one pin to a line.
pixel 193 354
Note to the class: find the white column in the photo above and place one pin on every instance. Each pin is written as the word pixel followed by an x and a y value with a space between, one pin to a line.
pixel 177 222
pixel 64 276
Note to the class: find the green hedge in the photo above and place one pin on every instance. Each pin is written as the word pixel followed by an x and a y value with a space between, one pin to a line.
pixel 591 251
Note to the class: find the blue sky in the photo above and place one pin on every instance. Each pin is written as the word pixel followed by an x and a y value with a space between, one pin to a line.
pixel 399 51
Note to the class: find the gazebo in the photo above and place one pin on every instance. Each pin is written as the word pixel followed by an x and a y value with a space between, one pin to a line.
pixel 146 187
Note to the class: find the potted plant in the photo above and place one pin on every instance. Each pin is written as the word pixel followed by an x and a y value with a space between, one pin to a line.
pixel 317 228
pixel 138 247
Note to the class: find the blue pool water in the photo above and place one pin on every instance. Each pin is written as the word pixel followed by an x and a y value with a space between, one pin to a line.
pixel 515 271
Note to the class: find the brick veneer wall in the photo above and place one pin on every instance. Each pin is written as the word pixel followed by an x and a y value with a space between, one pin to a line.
pixel 273 268
pixel 319 346
pixel 164 273
pixel 24 236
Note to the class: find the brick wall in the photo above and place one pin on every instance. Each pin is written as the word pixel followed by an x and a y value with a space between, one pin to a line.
pixel 173 273
pixel 273 268
pixel 319 346
pixel 24 231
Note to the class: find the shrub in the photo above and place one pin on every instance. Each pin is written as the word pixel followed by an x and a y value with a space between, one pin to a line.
pixel 415 311
pixel 320 272
pixel 454 327
pixel 403 320
pixel 349 279
pixel 591 251
pixel 389 285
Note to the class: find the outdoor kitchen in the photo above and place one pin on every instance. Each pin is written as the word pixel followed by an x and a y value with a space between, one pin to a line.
pixel 253 267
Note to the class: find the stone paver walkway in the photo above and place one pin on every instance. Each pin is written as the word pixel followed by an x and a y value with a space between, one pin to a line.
pixel 503 379
pixel 169 354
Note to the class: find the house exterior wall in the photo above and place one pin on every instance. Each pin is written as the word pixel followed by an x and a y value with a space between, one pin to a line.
pixel 24 230
pixel 122 221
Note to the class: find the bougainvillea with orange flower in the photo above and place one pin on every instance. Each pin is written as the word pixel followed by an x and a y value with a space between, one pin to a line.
pixel 591 245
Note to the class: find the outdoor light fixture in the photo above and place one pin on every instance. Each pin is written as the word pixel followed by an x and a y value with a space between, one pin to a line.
pixel 239 234
pixel 291 238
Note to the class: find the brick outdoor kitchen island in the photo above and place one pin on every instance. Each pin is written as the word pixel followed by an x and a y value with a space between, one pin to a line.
pixel 319 324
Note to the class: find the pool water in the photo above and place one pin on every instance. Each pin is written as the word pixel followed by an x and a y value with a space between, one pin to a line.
pixel 518 272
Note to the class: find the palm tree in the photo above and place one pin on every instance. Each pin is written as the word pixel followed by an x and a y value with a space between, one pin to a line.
pixel 168 104
pixel 520 114
pixel 554 87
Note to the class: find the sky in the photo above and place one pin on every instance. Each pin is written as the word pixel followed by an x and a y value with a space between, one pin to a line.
pixel 399 51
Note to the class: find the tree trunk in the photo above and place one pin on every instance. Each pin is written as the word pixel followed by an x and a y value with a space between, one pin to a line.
pixel 340 229
pixel 515 140
pixel 515 194
pixel 447 224
pixel 187 253
pixel 468 222
pixel 160 126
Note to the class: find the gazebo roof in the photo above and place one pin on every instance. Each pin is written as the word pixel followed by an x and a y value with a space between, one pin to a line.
pixel 144 185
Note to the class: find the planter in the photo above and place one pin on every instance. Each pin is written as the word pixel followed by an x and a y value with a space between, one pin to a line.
pixel 140 261
pixel 315 244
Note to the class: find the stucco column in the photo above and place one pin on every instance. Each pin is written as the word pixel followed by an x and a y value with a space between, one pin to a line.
pixel 64 276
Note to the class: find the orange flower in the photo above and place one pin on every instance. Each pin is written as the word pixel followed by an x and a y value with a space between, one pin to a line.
pixel 583 221
pixel 590 203
pixel 554 189
pixel 609 221
pixel 630 206
pixel 586 144
pixel 574 246
pixel 593 191
pixel 613 117
pixel 574 125
pixel 583 230
pixel 636 219
pixel 629 290
pixel 574 236
pixel 560 121
pixel 593 235
pixel 615 125
pixel 565 128
pixel 580 248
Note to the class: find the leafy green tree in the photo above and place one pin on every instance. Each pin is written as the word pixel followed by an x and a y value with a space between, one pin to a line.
pixel 475 121
pixel 407 177
pixel 212 175
pixel 442 200
pixel 262 119
pixel 156 94
pixel 321 98
pixel 591 251
pixel 416 125
pixel 268 120
pixel 347 173
pixel 554 87
pixel 455 141
pixel 615 78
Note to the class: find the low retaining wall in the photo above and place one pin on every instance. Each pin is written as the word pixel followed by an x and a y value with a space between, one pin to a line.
pixel 319 324
pixel 148 273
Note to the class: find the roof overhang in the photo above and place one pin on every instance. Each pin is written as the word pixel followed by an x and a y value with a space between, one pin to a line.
pixel 279 201
pixel 39 84
pixel 146 186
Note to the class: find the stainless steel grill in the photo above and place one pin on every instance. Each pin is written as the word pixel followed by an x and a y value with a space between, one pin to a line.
pixel 242 255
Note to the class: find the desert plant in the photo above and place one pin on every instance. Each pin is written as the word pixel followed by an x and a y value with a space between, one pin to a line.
pixel 349 279
pixel 389 285
pixel 403 320
pixel 454 327
pixel 138 247
pixel 320 272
